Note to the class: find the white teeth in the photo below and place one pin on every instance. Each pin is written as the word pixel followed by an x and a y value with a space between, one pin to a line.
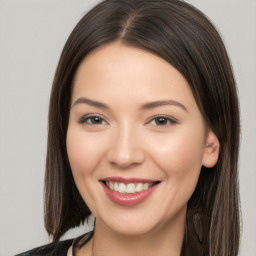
pixel 116 186
pixel 122 188
pixel 130 188
pixel 145 186
pixel 139 187
pixel 111 185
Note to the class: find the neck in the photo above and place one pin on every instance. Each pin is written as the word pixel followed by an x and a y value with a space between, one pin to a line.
pixel 164 240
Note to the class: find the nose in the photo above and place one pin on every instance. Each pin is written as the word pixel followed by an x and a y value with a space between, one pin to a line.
pixel 126 148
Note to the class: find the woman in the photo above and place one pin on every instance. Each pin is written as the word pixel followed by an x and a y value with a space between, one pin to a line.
pixel 144 134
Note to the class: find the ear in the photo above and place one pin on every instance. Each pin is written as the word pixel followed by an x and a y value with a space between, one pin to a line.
pixel 211 151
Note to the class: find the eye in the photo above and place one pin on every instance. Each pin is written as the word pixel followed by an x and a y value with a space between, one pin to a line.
pixel 162 121
pixel 92 120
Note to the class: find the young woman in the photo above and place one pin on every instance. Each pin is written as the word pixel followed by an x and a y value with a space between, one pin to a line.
pixel 143 134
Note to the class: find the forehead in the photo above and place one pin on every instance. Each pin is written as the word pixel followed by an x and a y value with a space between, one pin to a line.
pixel 128 73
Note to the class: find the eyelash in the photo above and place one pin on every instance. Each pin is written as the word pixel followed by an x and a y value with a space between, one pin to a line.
pixel 85 119
pixel 88 119
pixel 168 121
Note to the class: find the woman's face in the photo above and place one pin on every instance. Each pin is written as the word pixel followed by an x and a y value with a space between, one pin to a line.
pixel 136 140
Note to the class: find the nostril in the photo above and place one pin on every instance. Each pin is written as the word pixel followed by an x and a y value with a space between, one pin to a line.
pixel 124 152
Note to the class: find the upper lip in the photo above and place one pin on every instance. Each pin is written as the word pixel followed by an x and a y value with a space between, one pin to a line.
pixel 129 180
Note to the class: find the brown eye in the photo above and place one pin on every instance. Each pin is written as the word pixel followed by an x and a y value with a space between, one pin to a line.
pixel 92 120
pixel 95 120
pixel 162 121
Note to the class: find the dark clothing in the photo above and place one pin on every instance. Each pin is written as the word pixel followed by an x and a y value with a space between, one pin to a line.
pixel 59 248
pixel 55 249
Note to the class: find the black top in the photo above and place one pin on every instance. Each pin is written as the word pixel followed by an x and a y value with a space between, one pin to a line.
pixel 54 249
pixel 59 248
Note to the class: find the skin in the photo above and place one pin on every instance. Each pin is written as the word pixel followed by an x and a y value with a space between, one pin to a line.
pixel 129 141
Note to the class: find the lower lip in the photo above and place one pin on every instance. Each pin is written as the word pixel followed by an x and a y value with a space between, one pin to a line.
pixel 128 199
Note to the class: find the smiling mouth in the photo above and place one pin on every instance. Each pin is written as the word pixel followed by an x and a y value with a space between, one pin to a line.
pixel 128 191
pixel 129 188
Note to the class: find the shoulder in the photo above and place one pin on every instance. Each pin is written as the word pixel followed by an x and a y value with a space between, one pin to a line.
pixel 54 249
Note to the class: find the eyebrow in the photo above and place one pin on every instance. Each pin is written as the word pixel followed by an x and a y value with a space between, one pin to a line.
pixel 149 105
pixel 90 102
pixel 160 103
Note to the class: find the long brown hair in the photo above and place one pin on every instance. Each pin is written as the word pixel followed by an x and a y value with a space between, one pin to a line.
pixel 183 36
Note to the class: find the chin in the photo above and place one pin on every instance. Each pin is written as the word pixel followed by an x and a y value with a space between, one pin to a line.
pixel 132 228
pixel 133 223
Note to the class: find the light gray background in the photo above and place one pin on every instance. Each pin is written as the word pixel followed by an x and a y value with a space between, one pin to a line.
pixel 32 34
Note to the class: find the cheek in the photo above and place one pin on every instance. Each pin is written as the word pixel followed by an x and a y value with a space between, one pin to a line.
pixel 83 153
pixel 84 156
pixel 180 158
pixel 180 153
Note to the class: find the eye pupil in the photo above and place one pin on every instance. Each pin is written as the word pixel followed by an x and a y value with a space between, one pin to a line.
pixel 96 120
pixel 161 121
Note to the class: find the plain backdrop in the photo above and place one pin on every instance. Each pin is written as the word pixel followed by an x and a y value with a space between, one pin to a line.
pixel 32 35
